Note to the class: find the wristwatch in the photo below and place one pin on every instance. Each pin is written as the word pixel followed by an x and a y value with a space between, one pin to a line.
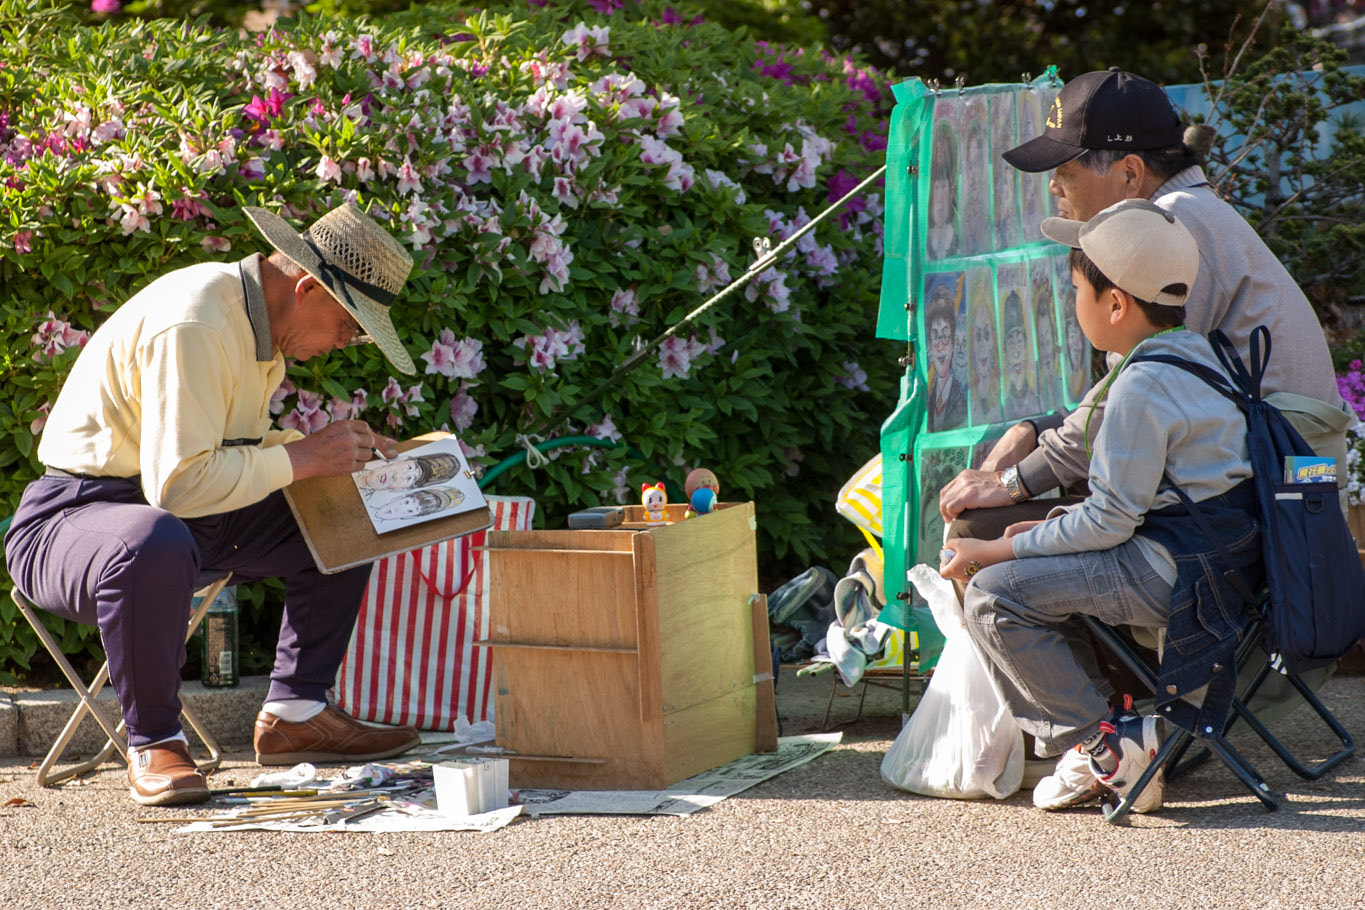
pixel 1010 478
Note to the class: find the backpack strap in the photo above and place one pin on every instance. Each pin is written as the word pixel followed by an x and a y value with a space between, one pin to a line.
pixel 1248 380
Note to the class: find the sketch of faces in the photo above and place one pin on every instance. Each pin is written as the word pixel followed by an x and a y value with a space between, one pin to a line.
pixel 947 395
pixel 1077 348
pixel 419 504
pixel 1032 187
pixel 984 349
pixel 941 239
pixel 1021 398
pixel 1045 326
pixel 409 473
pixel 1004 179
pixel 976 177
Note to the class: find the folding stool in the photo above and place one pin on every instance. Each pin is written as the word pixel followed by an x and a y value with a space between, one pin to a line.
pixel 1178 740
pixel 117 740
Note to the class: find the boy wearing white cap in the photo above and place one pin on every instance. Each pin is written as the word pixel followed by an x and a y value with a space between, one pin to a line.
pixel 1129 554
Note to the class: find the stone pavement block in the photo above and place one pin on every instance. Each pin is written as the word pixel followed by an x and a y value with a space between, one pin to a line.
pixel 9 726
pixel 42 714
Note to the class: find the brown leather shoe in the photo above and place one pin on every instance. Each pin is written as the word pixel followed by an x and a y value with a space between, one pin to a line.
pixel 165 775
pixel 332 735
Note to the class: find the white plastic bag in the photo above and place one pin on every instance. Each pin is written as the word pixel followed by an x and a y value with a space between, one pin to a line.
pixel 961 742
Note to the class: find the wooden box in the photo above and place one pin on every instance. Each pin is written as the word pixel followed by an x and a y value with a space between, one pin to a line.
pixel 630 658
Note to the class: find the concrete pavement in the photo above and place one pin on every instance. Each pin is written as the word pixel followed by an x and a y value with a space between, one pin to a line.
pixel 827 834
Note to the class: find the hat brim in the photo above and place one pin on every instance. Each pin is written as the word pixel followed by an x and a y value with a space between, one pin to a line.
pixel 1063 231
pixel 1041 154
pixel 372 315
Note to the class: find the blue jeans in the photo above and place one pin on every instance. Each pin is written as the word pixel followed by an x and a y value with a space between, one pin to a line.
pixel 1022 615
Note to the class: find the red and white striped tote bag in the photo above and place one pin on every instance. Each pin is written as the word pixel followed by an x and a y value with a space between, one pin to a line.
pixel 412 657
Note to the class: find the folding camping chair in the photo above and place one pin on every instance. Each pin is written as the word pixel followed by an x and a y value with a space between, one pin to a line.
pixel 1178 741
pixel 117 740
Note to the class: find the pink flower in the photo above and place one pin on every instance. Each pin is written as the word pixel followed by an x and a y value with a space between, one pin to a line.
pixel 676 354
pixel 305 423
pixel 329 170
pixel 22 242
pixel 56 335
pixel 455 360
pixel 408 181
pixel 105 7
pixel 854 376
pixel 462 410
pixel 588 42
pixel 284 391
pixel 605 430
pixel 40 421
pixel 625 308
pixel 216 244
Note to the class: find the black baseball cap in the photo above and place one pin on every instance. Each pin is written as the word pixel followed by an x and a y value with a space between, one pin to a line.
pixel 1106 109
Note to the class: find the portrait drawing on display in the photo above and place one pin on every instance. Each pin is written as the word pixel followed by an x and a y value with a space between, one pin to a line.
pixel 1077 346
pixel 1045 328
pixel 937 467
pixel 1004 179
pixel 941 234
pixel 1032 187
pixel 947 395
pixel 1021 398
pixel 976 177
pixel 983 343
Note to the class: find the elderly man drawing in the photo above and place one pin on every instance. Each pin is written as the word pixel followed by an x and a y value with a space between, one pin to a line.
pixel 163 469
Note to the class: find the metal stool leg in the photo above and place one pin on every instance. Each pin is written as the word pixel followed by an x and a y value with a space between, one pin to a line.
pixel 116 741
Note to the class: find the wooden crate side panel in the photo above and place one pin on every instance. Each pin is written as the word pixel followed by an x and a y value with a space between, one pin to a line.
pixel 560 540
pixel 562 597
pixel 706 572
pixel 577 705
pixel 709 734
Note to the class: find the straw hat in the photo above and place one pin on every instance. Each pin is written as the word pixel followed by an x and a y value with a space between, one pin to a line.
pixel 356 260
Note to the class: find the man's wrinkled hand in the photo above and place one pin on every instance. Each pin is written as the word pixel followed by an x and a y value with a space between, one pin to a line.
pixel 343 447
pixel 972 489
pixel 1011 448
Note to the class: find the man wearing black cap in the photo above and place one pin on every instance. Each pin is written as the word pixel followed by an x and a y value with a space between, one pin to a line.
pixel 1109 136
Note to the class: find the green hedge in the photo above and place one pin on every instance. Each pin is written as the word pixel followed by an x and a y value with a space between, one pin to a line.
pixel 570 183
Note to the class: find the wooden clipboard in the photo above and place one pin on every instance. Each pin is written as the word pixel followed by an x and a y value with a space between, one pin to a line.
pixel 338 530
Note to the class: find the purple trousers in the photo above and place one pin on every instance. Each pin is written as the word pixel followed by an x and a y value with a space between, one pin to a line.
pixel 94 552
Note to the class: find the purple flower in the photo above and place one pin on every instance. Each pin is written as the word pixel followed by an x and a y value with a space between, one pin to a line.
pixel 105 7
pixel 453 359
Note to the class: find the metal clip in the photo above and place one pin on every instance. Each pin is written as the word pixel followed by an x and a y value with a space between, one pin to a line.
pixel 762 247
pixel 934 86
pixel 961 83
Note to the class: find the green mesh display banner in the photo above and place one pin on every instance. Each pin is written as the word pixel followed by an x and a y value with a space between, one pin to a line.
pixel 984 302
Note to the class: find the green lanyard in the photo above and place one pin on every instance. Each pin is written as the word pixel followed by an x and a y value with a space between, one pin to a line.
pixel 1115 375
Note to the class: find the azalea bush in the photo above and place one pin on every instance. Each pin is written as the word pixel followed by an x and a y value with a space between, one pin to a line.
pixel 1352 384
pixel 571 178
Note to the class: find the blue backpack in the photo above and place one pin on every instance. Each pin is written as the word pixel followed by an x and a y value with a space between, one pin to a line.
pixel 1316 606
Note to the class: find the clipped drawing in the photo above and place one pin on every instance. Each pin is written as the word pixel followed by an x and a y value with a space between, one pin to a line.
pixel 1020 379
pixel 983 349
pixel 947 395
pixel 976 177
pixel 937 467
pixel 941 236
pixel 429 482
pixel 1045 326
pixel 1077 346
pixel 1004 179
pixel 1033 194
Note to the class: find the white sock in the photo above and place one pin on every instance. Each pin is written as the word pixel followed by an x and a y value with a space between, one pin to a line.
pixel 179 737
pixel 294 710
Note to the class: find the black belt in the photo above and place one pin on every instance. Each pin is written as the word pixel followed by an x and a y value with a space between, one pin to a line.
pixel 58 472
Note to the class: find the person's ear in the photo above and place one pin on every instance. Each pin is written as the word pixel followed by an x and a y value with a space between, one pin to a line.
pixel 301 287
pixel 1133 171
pixel 1119 301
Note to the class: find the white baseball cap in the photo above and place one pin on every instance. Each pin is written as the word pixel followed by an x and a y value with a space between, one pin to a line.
pixel 1142 248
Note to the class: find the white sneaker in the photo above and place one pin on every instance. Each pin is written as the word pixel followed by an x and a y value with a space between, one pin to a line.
pixel 1135 741
pixel 1071 784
